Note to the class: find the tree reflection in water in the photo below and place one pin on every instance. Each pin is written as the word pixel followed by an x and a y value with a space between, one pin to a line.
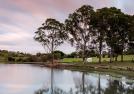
pixel 52 89
pixel 84 85
pixel 87 87
pixel 116 87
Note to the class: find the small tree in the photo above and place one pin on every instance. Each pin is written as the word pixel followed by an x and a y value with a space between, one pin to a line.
pixel 50 35
pixel 79 28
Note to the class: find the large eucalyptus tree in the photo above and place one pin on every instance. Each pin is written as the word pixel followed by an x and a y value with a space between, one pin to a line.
pixel 79 28
pixel 112 36
pixel 99 22
pixel 117 37
pixel 113 24
pixel 51 34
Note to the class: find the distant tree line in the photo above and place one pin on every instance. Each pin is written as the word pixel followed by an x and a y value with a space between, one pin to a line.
pixel 87 29
pixel 11 56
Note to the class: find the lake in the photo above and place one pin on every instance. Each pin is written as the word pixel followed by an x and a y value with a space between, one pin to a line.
pixel 30 79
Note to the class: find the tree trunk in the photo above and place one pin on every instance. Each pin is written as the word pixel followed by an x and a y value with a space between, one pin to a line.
pixel 52 51
pixel 83 56
pixel 122 52
pixel 83 59
pixel 83 82
pixel 52 57
pixel 122 57
pixel 100 58
pixel 116 58
pixel 52 81
pixel 110 56
pixel 99 85
pixel 100 49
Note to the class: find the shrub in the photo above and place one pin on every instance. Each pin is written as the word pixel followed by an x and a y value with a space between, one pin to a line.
pixel 57 56
pixel 19 60
pixel 11 58
pixel 132 60
pixel 44 58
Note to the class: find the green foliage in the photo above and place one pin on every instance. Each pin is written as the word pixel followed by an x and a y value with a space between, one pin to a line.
pixel 88 53
pixel 72 55
pixel 11 58
pixel 50 33
pixel 57 56
pixel 60 54
pixel 44 58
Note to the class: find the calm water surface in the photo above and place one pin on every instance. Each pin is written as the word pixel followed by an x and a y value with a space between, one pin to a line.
pixel 28 79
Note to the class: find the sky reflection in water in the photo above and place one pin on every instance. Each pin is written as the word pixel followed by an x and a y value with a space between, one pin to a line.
pixel 28 79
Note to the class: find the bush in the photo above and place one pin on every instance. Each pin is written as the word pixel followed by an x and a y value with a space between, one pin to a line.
pixel 11 58
pixel 103 55
pixel 60 54
pixel 72 55
pixel 57 56
pixel 32 59
pixel 44 58
pixel 19 60
pixel 132 60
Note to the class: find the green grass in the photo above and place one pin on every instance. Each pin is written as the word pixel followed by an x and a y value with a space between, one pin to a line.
pixel 95 59
pixel 71 60
pixel 125 58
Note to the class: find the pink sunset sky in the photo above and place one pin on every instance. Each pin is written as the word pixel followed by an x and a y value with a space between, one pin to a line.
pixel 19 19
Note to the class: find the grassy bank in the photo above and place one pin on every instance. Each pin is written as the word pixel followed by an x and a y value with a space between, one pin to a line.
pixel 125 68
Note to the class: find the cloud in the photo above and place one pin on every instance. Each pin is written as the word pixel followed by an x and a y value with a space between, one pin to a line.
pixel 19 19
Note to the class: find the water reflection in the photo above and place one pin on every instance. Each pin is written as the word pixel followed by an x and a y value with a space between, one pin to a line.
pixel 85 85
pixel 27 79
pixel 52 89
